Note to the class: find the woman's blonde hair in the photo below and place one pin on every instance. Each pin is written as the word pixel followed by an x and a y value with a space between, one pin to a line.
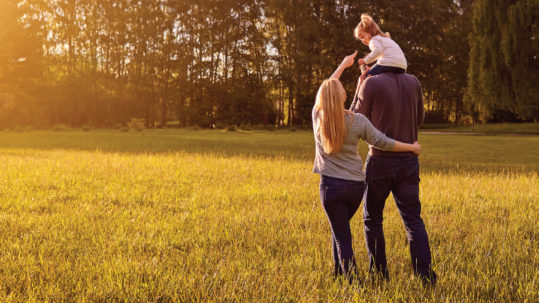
pixel 331 115
pixel 367 25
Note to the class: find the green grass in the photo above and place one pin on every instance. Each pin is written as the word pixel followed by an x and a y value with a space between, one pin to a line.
pixel 175 215
pixel 490 128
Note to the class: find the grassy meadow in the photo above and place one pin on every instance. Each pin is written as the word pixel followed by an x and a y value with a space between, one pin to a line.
pixel 488 128
pixel 215 216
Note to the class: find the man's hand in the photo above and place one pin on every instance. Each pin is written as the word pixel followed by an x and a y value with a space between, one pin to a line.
pixel 364 73
pixel 416 148
pixel 361 61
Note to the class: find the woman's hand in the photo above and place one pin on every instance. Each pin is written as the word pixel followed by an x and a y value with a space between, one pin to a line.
pixel 406 147
pixel 416 148
pixel 349 60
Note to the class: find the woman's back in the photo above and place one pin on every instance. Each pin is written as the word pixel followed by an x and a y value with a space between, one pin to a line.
pixel 346 163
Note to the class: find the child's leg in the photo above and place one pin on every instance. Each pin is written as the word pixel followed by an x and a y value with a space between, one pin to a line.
pixel 375 70
pixel 380 69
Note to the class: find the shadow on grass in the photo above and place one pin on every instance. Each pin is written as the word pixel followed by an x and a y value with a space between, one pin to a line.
pixel 444 153
pixel 259 144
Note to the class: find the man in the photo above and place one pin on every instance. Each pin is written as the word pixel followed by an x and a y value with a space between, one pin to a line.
pixel 393 103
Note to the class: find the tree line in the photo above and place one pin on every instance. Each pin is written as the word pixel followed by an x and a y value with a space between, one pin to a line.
pixel 221 62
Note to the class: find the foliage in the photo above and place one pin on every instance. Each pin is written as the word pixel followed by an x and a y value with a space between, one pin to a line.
pixel 256 62
pixel 136 124
pixel 232 128
pixel 503 73
pixel 437 116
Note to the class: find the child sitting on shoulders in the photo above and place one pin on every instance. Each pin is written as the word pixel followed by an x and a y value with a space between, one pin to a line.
pixel 383 49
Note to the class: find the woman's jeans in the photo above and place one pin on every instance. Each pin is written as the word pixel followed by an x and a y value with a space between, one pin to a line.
pixel 341 199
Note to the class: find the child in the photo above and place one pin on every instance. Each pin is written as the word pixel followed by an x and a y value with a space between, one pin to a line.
pixel 384 50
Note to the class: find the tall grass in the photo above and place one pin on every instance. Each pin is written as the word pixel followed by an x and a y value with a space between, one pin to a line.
pixel 205 216
pixel 488 128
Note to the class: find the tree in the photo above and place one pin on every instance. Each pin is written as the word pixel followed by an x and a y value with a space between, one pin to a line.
pixel 21 66
pixel 503 69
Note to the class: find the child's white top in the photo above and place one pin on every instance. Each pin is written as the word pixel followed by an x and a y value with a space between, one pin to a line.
pixel 386 51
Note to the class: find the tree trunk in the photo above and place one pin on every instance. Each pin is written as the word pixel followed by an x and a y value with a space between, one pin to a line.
pixel 290 106
pixel 164 102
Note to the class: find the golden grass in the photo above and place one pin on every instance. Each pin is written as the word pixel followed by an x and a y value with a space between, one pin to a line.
pixel 111 225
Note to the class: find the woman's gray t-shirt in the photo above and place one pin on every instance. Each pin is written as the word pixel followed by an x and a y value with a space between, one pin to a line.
pixel 347 164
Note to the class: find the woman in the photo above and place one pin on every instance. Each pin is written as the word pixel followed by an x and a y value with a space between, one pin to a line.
pixel 342 182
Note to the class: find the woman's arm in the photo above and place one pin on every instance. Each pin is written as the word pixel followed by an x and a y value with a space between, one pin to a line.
pixel 405 147
pixel 347 62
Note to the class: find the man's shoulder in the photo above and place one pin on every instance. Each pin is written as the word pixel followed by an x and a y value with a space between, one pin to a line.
pixel 382 79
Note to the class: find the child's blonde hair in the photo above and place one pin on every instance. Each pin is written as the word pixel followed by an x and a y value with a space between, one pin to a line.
pixel 331 115
pixel 367 25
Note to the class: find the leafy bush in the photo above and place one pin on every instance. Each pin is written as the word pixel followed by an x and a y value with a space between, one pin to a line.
pixel 232 128
pixel 60 127
pixel 219 125
pixel 173 124
pixel 246 126
pixel 136 124
pixel 435 117
pixel 86 127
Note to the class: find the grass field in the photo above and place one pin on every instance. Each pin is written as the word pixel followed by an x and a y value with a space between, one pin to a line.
pixel 489 128
pixel 201 216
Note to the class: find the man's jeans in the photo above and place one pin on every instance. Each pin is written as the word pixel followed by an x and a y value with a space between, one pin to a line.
pixel 341 199
pixel 401 177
